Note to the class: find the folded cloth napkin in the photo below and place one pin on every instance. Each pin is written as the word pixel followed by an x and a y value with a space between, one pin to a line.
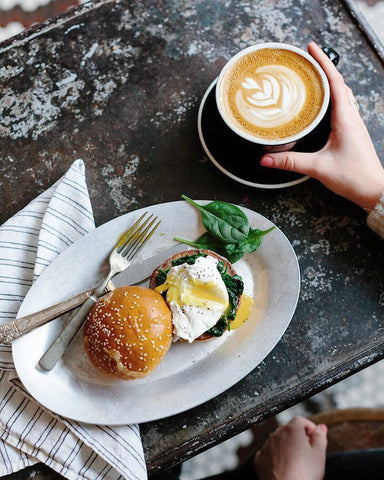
pixel 29 241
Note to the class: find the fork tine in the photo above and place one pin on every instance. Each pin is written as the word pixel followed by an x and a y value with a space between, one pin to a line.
pixel 141 240
pixel 132 232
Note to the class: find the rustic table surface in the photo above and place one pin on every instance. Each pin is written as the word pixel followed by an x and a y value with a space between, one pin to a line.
pixel 118 84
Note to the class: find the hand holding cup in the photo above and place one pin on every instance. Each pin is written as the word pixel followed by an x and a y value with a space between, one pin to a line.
pixel 348 164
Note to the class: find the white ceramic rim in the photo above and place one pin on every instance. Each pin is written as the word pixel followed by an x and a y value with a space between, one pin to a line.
pixel 190 374
pixel 267 186
pixel 281 46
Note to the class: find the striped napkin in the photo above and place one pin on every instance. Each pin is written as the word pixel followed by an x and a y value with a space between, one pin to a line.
pixel 29 241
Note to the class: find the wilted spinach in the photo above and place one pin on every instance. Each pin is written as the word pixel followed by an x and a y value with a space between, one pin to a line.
pixel 189 259
pixel 235 287
pixel 220 327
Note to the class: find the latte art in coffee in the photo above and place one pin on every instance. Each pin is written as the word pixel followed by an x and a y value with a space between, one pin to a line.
pixel 272 94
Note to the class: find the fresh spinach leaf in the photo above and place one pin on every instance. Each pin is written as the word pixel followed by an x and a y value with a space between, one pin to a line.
pixel 222 220
pixel 206 241
pixel 253 240
pixel 232 250
pixel 250 244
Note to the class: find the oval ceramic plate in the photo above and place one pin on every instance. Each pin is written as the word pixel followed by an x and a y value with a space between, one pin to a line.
pixel 190 374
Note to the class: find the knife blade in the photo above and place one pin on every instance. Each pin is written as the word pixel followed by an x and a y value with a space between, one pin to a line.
pixel 140 271
pixel 136 273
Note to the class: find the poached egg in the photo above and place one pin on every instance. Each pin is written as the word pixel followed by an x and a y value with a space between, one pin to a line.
pixel 197 297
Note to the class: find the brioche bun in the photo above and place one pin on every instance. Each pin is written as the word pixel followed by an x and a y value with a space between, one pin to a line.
pixel 128 332
pixel 169 262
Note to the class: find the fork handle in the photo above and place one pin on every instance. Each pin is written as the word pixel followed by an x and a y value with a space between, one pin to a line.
pixel 15 328
pixel 61 342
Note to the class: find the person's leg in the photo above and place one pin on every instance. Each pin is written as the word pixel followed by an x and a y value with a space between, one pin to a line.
pixel 244 472
pixel 355 465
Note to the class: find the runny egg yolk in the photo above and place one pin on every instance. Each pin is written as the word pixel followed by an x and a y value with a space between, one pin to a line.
pixel 243 311
pixel 192 292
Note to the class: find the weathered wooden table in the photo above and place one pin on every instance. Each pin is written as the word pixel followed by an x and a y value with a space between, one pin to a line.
pixel 118 84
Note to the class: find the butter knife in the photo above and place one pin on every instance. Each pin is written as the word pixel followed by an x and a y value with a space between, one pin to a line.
pixel 138 272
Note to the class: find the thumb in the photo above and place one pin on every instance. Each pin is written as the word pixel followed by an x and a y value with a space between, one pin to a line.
pixel 292 161
pixel 319 437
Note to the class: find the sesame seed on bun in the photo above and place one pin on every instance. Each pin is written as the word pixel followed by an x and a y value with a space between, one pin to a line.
pixel 128 332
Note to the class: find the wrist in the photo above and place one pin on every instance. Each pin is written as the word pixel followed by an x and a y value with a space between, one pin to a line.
pixel 374 191
pixel 375 219
pixel 369 203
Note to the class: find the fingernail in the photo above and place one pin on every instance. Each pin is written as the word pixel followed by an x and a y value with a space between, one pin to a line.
pixel 267 161
pixel 323 427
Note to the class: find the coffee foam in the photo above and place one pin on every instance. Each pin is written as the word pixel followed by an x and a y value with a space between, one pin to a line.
pixel 272 93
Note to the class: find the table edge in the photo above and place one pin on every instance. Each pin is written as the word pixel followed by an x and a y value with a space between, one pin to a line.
pixel 360 20
pixel 28 34
pixel 263 411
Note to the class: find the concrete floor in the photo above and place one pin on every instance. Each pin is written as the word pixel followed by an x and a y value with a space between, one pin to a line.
pixel 374 15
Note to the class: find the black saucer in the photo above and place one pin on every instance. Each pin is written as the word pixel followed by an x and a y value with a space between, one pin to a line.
pixel 238 158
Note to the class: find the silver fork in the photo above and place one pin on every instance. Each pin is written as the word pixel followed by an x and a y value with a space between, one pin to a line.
pixel 120 258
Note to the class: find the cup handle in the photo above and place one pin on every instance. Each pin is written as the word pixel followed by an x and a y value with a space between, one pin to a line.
pixel 332 55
